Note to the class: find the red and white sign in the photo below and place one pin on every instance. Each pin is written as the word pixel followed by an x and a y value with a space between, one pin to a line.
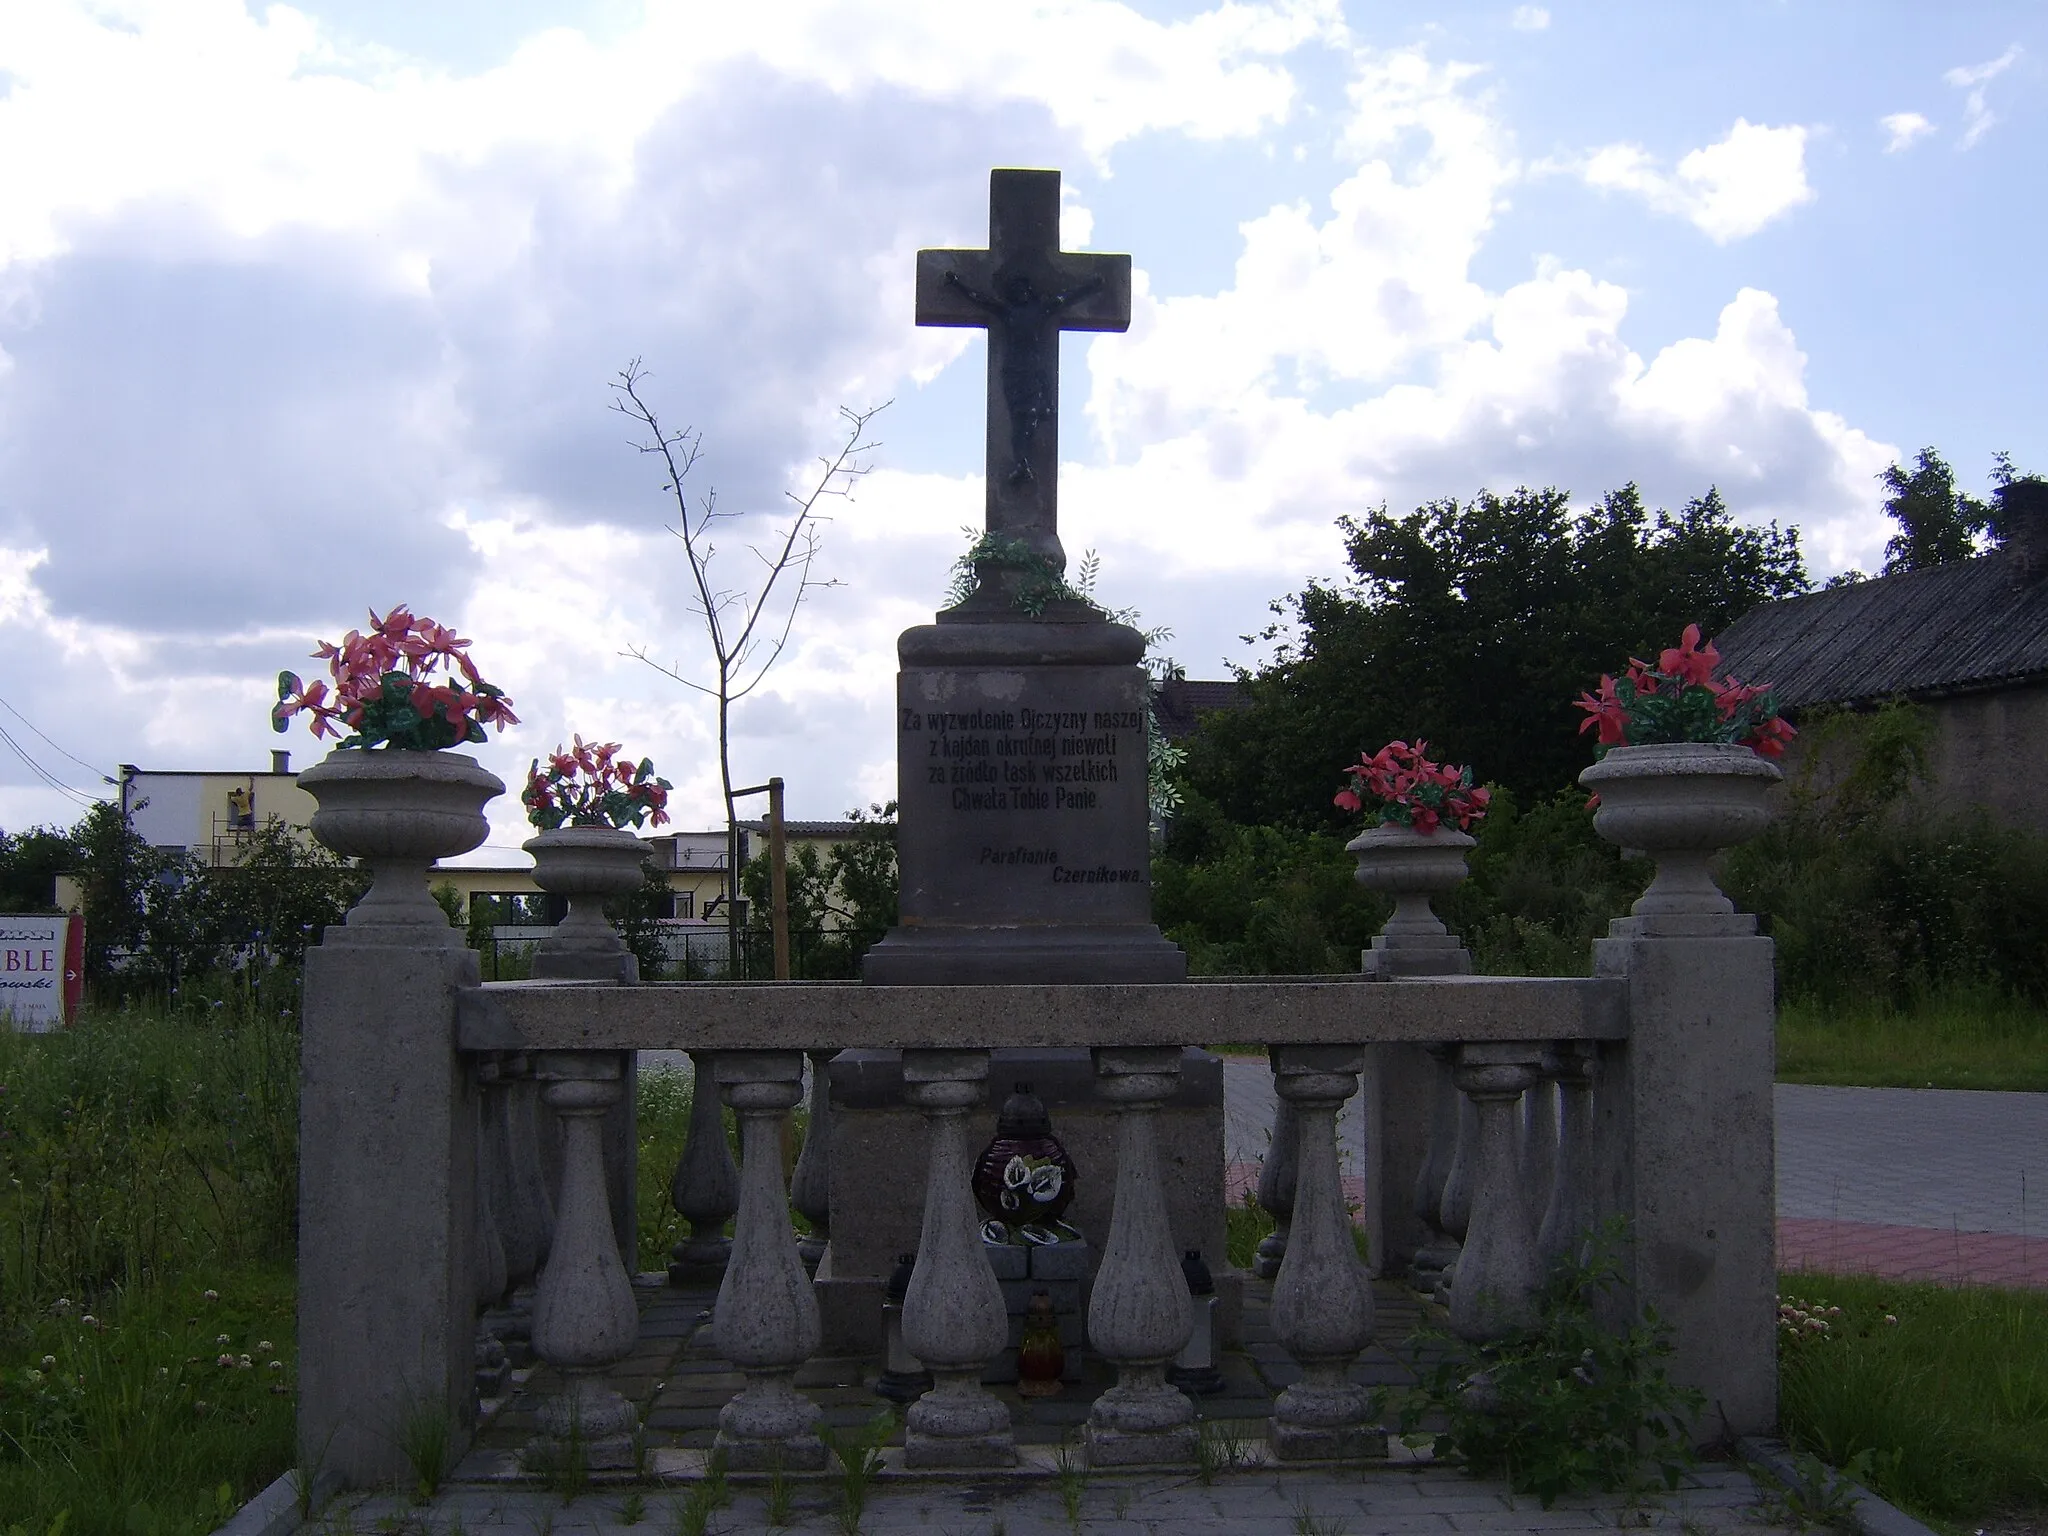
pixel 42 970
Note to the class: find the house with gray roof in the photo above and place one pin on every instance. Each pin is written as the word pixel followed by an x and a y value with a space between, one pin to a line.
pixel 1967 640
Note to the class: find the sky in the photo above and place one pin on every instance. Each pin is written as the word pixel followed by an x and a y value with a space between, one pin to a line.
pixel 311 310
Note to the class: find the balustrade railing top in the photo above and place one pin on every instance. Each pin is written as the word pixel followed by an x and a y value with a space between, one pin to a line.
pixel 581 1016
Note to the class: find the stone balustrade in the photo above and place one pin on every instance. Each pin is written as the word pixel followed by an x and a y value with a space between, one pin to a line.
pixel 1518 1177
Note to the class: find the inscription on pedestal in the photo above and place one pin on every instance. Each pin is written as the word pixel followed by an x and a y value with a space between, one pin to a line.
pixel 1023 795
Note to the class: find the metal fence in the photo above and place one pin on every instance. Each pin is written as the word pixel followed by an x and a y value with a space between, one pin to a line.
pixel 700 952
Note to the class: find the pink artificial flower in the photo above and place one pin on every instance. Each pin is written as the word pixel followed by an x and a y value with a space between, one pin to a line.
pixel 1605 711
pixel 1693 666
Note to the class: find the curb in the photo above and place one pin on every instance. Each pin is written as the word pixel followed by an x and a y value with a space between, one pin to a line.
pixel 273 1512
pixel 1871 1515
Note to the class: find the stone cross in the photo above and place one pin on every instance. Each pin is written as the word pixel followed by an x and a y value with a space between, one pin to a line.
pixel 1024 290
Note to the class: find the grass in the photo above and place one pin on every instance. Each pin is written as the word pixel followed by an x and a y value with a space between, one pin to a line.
pixel 1950 1402
pixel 150 1165
pixel 131 1426
pixel 1957 1039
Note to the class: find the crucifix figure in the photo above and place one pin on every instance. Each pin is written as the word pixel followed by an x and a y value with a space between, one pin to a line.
pixel 1024 290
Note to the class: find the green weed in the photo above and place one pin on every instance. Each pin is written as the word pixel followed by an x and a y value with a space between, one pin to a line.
pixel 425 1437
pixel 1565 1404
pixel 860 1460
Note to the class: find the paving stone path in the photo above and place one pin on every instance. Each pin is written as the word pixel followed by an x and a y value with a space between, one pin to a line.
pixel 1896 1181
pixel 1250 1501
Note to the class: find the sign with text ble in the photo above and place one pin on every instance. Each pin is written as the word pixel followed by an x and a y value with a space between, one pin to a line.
pixel 42 970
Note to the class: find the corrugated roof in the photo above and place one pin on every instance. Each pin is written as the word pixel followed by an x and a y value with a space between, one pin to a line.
pixel 844 830
pixel 1966 625
pixel 1179 702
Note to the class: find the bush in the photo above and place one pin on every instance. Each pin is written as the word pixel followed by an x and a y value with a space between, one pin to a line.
pixel 1567 1404
pixel 1876 894
pixel 1260 901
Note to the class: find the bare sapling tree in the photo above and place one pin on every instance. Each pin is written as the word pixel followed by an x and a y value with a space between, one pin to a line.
pixel 747 623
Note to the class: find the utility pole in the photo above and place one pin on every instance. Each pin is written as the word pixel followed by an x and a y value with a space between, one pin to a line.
pixel 778 873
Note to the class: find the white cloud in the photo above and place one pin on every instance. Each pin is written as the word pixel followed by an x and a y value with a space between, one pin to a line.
pixel 1905 130
pixel 335 331
pixel 1529 18
pixel 1727 189
pixel 1971 80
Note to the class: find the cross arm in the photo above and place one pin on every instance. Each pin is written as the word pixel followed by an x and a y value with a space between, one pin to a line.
pixel 943 302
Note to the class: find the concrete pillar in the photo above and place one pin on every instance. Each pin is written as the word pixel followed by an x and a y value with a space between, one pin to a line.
pixel 1686 1125
pixel 387 1172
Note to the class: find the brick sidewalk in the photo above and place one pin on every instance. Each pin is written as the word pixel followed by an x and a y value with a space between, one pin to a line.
pixel 1912 1253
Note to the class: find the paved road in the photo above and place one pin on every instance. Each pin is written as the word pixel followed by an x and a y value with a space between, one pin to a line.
pixel 1939 1158
pixel 1936 1158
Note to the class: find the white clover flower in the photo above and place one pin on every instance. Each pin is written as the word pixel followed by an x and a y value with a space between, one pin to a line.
pixel 49 1362
pixel 226 1362
pixel 264 1346
pixel 211 1295
pixel 223 1339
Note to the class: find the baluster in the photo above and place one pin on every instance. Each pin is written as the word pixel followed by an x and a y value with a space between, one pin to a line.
pixel 1438 1250
pixel 491 1263
pixel 954 1320
pixel 525 1128
pixel 766 1321
pixel 1536 1143
pixel 1570 1217
pixel 492 1364
pixel 1456 1214
pixel 584 1314
pixel 1276 1189
pixel 1322 1300
pixel 706 1188
pixel 518 1193
pixel 1497 1272
pixel 1138 1310
pixel 810 1188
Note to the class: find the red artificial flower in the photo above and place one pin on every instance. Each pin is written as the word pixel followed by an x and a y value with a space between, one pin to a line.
pixel 1607 712
pixel 1692 666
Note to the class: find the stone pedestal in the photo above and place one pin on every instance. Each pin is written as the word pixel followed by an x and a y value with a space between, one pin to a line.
pixel 879 1154
pixel 1023 836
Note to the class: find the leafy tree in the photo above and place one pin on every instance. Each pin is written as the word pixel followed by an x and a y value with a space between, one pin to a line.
pixel 1937 522
pixel 30 863
pixel 840 901
pixel 1473 625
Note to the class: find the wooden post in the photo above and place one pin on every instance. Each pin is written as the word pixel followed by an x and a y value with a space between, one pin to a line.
pixel 778 880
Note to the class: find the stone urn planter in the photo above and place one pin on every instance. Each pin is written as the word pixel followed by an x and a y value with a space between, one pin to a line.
pixel 398 811
pixel 586 864
pixel 1411 867
pixel 1681 803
